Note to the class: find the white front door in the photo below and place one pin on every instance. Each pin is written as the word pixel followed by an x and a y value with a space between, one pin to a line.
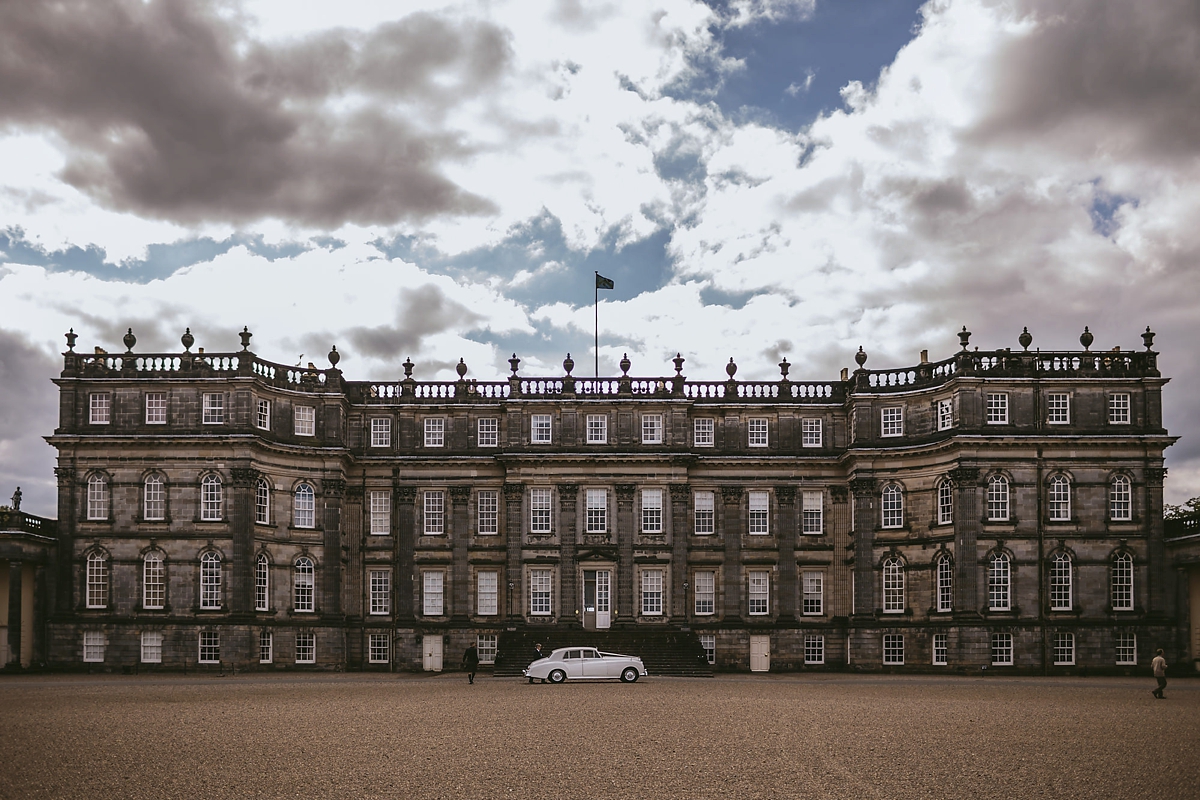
pixel 603 599
pixel 432 650
pixel 760 653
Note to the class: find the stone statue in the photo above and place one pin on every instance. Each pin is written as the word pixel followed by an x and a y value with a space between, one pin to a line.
pixel 16 499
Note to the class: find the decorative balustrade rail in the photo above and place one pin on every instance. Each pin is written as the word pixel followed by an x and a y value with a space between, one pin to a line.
pixel 11 520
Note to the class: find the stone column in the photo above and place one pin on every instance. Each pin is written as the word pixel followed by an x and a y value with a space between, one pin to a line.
pixel 403 498
pixel 568 494
pixel 14 612
pixel 625 533
pixel 731 530
pixel 241 528
pixel 838 527
pixel 356 577
pixel 680 495
pixel 866 511
pixel 460 537
pixel 67 516
pixel 786 496
pixel 966 537
pixel 514 496
pixel 1159 568
pixel 331 521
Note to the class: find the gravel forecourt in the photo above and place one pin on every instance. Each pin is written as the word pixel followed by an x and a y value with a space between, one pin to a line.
pixel 735 736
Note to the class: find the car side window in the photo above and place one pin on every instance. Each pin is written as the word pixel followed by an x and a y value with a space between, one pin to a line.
pixel 573 654
pixel 590 654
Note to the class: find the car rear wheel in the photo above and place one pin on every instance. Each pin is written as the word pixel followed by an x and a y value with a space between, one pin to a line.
pixel 558 676
pixel 629 675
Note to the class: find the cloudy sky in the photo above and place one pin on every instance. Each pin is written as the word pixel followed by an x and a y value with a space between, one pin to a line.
pixel 437 180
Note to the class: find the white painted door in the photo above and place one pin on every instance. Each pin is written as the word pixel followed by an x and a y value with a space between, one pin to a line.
pixel 432 649
pixel 603 599
pixel 760 653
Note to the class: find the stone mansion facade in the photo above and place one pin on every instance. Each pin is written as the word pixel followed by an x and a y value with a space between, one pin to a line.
pixel 998 509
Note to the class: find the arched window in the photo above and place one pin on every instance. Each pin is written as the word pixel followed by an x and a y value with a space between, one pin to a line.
pixel 262 503
pixel 154 582
pixel 1120 499
pixel 1060 499
pixel 210 581
pixel 999 583
pixel 97 497
pixel 893 586
pixel 1122 582
pixel 155 499
pixel 893 506
pixel 97 581
pixel 945 503
pixel 1060 582
pixel 305 504
pixel 210 498
pixel 302 584
pixel 997 499
pixel 262 583
pixel 945 583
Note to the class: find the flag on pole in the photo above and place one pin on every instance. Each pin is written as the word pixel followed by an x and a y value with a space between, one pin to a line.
pixel 603 282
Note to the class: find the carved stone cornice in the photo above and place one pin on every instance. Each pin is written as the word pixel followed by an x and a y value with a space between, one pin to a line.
pixel 406 494
pixel 863 486
pixel 333 487
pixel 243 477
pixel 1155 476
pixel 680 492
pixel 786 495
pixel 732 495
pixel 624 492
pixel 965 477
pixel 459 495
pixel 839 494
pixel 513 492
pixel 567 491
pixel 65 474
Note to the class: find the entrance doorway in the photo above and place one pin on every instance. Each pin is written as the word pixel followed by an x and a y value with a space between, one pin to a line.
pixel 431 649
pixel 597 599
pixel 760 653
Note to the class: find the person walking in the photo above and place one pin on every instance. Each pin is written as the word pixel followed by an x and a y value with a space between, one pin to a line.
pixel 537 653
pixel 1160 673
pixel 470 661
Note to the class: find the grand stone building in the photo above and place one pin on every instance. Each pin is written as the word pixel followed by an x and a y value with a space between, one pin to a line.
pixel 998 509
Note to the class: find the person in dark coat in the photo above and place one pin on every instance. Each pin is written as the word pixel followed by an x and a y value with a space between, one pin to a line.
pixel 470 662
pixel 537 653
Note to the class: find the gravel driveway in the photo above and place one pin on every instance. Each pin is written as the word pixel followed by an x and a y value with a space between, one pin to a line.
pixel 368 736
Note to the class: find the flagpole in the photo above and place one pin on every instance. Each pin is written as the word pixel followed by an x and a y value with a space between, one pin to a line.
pixel 596 308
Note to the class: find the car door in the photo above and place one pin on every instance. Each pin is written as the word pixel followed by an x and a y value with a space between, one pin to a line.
pixel 593 665
pixel 573 663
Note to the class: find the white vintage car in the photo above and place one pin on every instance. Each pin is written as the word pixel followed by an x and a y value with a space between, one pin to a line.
pixel 585 664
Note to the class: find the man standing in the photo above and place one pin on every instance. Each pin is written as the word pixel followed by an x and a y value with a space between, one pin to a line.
pixel 537 653
pixel 1160 673
pixel 470 661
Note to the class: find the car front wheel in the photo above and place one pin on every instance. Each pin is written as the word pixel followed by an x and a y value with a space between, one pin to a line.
pixel 629 675
pixel 558 676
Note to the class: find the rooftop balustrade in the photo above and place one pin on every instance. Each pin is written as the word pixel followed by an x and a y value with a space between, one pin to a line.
pixel 966 363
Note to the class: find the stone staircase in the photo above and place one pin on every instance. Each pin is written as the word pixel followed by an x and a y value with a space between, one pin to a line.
pixel 668 651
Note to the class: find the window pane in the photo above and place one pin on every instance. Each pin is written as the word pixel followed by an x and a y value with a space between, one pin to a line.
pixel 432 606
pixel 705 513
pixel 705 592
pixel 597 429
pixel 435 432
pixel 156 408
pixel 812 513
pixel 652 516
pixel 435 516
pixel 487 592
pixel 489 432
pixel 305 421
pixel 703 432
pixel 381 512
pixel 652 429
pixel 759 513
pixel 487 520
pixel 381 432
pixel 539 511
pixel 757 431
pixel 540 587
pixel 597 511
pixel 810 433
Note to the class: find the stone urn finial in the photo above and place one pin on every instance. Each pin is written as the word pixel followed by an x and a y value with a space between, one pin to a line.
pixel 513 364
pixel 187 340
pixel 245 334
pixel 408 368
pixel 784 367
pixel 130 340
pixel 568 363
pixel 731 368
pixel 678 362
pixel 964 336
pixel 72 336
pixel 1026 338
pixel 860 357
pixel 1086 338
pixel 334 356
pixel 461 369
pixel 625 364
pixel 1148 338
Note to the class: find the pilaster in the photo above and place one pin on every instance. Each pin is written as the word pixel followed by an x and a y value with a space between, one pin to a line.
pixel 514 495
pixel 966 536
pixel 786 497
pixel 460 537
pixel 866 511
pixel 625 534
pixel 731 530
pixel 403 500
pixel 568 494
